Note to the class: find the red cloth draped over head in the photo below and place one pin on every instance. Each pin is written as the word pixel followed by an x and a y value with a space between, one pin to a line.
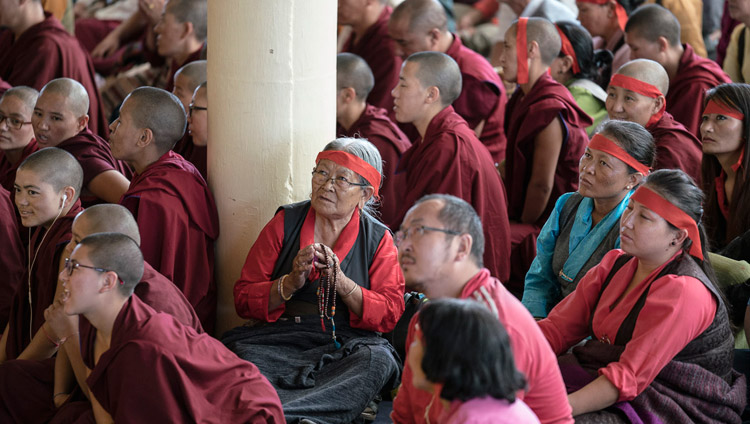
pixel 672 214
pixel 622 15
pixel 606 145
pixel 567 49
pixel 723 109
pixel 642 88
pixel 521 50
pixel 348 160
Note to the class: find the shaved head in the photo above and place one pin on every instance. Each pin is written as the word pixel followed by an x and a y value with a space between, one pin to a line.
pixel 161 112
pixel 352 71
pixel 194 72
pixel 193 11
pixel 647 71
pixel 652 21
pixel 26 95
pixel 78 97
pixel 109 218
pixel 439 70
pixel 546 36
pixel 55 167
pixel 118 253
pixel 422 15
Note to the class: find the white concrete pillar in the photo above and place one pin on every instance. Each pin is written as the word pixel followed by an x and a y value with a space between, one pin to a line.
pixel 271 97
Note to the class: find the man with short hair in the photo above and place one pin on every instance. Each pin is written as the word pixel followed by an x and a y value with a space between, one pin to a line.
pixel 60 120
pixel 16 133
pixel 146 366
pixel 357 118
pixel 448 157
pixel 636 94
pixel 369 40
pixel 653 33
pixel 440 245
pixel 35 49
pixel 168 197
pixel 422 25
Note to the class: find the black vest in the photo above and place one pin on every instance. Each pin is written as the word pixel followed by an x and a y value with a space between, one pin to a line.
pixel 355 265
pixel 561 252
pixel 713 349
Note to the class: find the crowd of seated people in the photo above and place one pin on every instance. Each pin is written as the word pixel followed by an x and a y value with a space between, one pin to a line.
pixel 574 215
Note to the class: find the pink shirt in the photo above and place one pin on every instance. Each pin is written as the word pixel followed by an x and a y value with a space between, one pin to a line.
pixel 677 310
pixel 488 410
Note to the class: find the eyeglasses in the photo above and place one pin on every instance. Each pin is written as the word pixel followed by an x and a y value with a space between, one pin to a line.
pixel 322 177
pixel 193 107
pixel 71 265
pixel 14 123
pixel 403 234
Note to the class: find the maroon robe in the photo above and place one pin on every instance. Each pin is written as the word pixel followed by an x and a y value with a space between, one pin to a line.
pixel 451 160
pixel 95 157
pixel 43 282
pixel 197 155
pixel 375 125
pixel 676 147
pixel 376 48
pixel 177 217
pixel 157 370
pixel 526 116
pixel 8 170
pixel 482 97
pixel 12 256
pixel 687 90
pixel 47 51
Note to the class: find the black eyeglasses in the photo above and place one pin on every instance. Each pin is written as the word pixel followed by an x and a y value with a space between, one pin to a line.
pixel 193 107
pixel 321 177
pixel 404 233
pixel 12 122
pixel 71 265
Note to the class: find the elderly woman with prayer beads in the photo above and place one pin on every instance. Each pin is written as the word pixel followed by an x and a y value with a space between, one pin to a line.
pixel 584 225
pixel 653 316
pixel 320 282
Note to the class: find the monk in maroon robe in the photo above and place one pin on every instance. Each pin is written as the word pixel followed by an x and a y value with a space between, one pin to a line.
pixel 36 49
pixel 186 81
pixel 653 32
pixel 47 187
pixel 170 200
pixel 356 118
pixel 198 129
pixel 12 256
pixel 546 133
pixel 635 94
pixel 16 134
pixel 482 100
pixel 146 366
pixel 448 158
pixel 60 120
pixel 369 40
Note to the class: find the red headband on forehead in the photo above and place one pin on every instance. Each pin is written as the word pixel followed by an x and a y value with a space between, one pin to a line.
pixel 567 49
pixel 671 214
pixel 622 15
pixel 348 160
pixel 521 52
pixel 642 88
pixel 723 109
pixel 604 144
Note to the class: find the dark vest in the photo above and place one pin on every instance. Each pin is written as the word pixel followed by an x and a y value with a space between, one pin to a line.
pixel 561 252
pixel 355 265
pixel 713 350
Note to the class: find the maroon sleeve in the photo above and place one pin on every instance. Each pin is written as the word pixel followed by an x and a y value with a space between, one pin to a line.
pixel 44 59
pixel 11 256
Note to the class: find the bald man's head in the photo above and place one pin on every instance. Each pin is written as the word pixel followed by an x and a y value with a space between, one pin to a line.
pixel 353 72
pixel 72 90
pixel 421 15
pixel 546 36
pixel 194 74
pixel 55 167
pixel 158 110
pixel 652 21
pixel 647 71
pixel 107 218
pixel 27 95
pixel 438 70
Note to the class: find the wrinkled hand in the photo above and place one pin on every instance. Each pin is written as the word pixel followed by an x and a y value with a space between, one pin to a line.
pixel 61 324
pixel 106 47
pixel 320 253
pixel 302 265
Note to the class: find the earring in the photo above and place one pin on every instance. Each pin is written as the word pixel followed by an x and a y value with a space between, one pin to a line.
pixel 628 187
